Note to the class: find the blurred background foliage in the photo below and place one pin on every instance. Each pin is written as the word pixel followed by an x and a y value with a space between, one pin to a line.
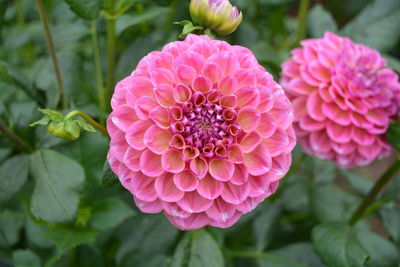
pixel 58 207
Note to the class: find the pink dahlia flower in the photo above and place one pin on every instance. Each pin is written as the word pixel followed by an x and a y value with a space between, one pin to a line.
pixel 344 96
pixel 200 132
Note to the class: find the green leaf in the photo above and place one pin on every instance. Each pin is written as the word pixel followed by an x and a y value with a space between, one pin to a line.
pixel 393 63
pixel 72 127
pixel 66 239
pixel 85 126
pixel 25 258
pixel 377 25
pixel 13 173
pixel 128 20
pixel 109 213
pixel 337 245
pixel 330 203
pixel 358 183
pixel 58 180
pixel 269 259
pixel 320 21
pixel 43 121
pixel 86 9
pixel 264 226
pixel 381 251
pixel 391 221
pixel 393 135
pixel 53 114
pixel 10 226
pixel 302 252
pixel 35 233
pixel 197 248
pixel 323 171
pixel 108 178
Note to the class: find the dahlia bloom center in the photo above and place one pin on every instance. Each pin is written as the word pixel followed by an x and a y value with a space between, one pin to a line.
pixel 202 126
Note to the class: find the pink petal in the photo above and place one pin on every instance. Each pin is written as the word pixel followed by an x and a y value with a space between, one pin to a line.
pixel 161 76
pixel 337 133
pixel 192 59
pixel 142 187
pixel 201 84
pixel 166 189
pixel 157 139
pixel 282 112
pixel 194 221
pixel 143 106
pixel 245 77
pixel 221 169
pixel 176 113
pixel 320 142
pixel 314 107
pixel 250 141
pixel 199 167
pixel 277 143
pixel 240 175
pixel 150 164
pixel 266 101
pixel 228 101
pixel 361 136
pixel 228 85
pixel 258 185
pixel 235 154
pixel 123 117
pixel 248 118
pixel 172 161
pixel 227 61
pixel 308 124
pixel 267 125
pixel 258 161
pixel 378 117
pixel 186 181
pixel 182 93
pixel 184 74
pixel 228 223
pixel 209 187
pixel 248 96
pixel 193 202
pixel 298 86
pixel 177 141
pixel 212 72
pixel 280 166
pixel 132 159
pixel 174 210
pixel 135 134
pixel 249 204
pixel 148 207
pixel 235 194
pixel 160 116
pixel 140 87
pixel 299 103
pixel 343 149
pixel 333 112
pixel 220 210
pixel 164 95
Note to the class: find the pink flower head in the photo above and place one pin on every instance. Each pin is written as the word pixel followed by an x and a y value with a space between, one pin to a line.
pixel 344 97
pixel 201 132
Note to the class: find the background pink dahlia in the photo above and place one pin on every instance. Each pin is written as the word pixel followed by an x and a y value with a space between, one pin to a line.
pixel 201 132
pixel 344 96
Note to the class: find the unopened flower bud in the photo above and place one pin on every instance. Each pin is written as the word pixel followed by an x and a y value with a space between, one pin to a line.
pixel 218 15
pixel 59 129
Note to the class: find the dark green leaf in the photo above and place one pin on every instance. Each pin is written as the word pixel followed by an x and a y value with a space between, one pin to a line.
pixel 13 173
pixel 376 25
pixel 337 245
pixel 320 21
pixel 391 222
pixel 302 252
pixel 381 251
pixel 393 135
pixel 197 249
pixel 25 258
pixel 58 182
pixel 109 213
pixel 264 226
pixel 323 171
pixel 358 183
pixel 108 177
pixel 86 9
pixel 10 226
pixel 268 259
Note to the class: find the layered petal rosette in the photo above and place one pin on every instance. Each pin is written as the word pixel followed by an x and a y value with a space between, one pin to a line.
pixel 344 96
pixel 201 132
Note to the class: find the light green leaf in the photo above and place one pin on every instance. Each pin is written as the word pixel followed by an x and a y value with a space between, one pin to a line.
pixel 197 249
pixel 358 183
pixel 109 213
pixel 381 251
pixel 86 9
pixel 320 21
pixel 72 127
pixel 13 173
pixel 129 20
pixel 53 114
pixel 337 245
pixel 323 171
pixel 377 25
pixel 86 126
pixel 25 258
pixel 391 222
pixel 58 180
pixel 302 252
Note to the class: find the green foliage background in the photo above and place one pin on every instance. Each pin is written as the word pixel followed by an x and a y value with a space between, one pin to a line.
pixel 60 207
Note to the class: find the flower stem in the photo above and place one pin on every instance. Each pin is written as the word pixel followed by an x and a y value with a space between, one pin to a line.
pixel 50 45
pixel 88 119
pixel 383 180
pixel 97 63
pixel 15 139
pixel 111 40
pixel 302 20
pixel 20 14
